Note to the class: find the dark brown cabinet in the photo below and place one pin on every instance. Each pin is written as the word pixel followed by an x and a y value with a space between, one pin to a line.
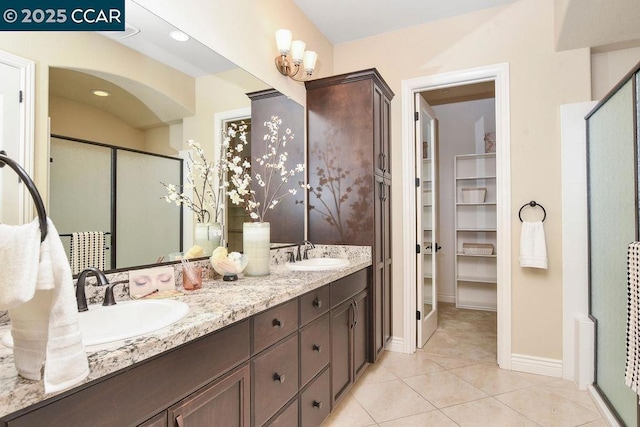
pixel 223 403
pixel 349 332
pixel 285 366
pixel 349 173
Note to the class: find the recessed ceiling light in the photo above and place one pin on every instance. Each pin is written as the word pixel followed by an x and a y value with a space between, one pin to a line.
pixel 179 36
pixel 100 92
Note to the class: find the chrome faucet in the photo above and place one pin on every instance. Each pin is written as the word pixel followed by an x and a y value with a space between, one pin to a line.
pixel 81 298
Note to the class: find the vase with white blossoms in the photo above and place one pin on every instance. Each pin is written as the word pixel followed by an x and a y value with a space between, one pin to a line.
pixel 258 184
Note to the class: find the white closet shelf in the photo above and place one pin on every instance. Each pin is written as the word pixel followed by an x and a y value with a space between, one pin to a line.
pixel 490 230
pixel 468 178
pixel 477 256
pixel 471 279
pixel 476 204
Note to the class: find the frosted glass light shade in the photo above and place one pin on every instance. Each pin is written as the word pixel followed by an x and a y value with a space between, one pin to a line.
pixel 297 51
pixel 283 40
pixel 310 58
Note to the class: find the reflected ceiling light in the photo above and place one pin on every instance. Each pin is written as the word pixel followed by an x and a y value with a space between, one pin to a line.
pixel 100 92
pixel 179 36
pixel 298 56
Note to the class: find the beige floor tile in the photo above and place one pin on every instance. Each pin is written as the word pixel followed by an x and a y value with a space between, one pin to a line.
pixel 448 362
pixel 428 419
pixel 596 423
pixel 486 412
pixel 535 379
pixel 491 379
pixel 444 389
pixel 390 400
pixel 409 365
pixel 568 390
pixel 377 373
pixel 349 413
pixel 547 408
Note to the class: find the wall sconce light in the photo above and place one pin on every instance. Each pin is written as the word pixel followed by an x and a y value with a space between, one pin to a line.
pixel 298 56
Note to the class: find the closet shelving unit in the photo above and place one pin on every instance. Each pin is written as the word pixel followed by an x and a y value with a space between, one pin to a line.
pixel 427 229
pixel 475 223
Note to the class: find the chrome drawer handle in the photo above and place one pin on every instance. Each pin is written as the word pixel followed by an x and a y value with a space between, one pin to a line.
pixel 276 323
pixel 317 404
pixel 317 303
pixel 278 377
pixel 317 348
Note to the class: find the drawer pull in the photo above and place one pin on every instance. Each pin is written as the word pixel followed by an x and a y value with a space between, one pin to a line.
pixel 278 377
pixel 317 348
pixel 179 421
pixel 276 323
pixel 317 303
pixel 317 404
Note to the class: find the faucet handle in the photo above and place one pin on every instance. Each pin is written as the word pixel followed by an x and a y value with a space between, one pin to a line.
pixel 109 299
pixel 292 257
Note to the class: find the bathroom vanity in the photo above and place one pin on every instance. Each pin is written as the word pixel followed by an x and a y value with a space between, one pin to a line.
pixel 274 350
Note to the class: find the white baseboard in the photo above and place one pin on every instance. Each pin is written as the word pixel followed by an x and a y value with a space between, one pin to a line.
pixel 396 344
pixel 608 417
pixel 536 365
pixel 447 298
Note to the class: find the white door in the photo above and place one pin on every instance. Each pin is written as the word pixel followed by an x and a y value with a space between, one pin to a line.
pixel 426 219
pixel 10 142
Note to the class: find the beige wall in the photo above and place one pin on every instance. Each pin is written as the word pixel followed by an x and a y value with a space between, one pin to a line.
pixel 608 68
pixel 541 80
pixel 76 120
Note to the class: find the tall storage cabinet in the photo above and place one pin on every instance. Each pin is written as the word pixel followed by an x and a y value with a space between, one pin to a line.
pixel 476 228
pixel 349 172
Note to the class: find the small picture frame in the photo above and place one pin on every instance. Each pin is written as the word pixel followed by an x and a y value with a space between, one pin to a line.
pixel 147 280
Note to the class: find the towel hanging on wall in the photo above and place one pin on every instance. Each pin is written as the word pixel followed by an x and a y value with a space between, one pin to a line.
pixel 533 245
pixel 632 367
pixel 86 250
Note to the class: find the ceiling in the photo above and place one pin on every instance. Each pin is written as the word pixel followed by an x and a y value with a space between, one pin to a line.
pixel 356 19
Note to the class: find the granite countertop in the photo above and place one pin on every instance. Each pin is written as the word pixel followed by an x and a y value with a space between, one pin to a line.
pixel 216 305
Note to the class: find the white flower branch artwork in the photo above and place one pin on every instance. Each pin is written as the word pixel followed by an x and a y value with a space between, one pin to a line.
pixel 271 184
pixel 205 179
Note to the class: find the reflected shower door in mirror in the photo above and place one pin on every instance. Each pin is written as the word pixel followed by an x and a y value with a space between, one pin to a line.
pixel 114 191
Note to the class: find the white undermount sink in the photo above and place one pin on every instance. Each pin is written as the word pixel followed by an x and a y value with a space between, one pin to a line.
pixel 318 264
pixel 126 319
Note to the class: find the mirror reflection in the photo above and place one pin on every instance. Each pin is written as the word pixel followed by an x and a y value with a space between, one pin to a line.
pixel 152 110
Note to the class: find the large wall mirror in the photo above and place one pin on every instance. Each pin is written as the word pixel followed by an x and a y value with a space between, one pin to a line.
pixel 163 92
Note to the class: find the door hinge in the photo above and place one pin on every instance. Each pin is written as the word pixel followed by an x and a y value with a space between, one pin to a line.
pixel 20 97
pixel 418 315
pixel 416 115
pixel 417 248
pixel 417 182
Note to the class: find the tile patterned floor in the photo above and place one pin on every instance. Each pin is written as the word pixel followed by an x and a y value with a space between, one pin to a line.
pixel 454 381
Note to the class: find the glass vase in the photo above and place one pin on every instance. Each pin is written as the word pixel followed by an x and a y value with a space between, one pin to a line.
pixel 208 236
pixel 256 243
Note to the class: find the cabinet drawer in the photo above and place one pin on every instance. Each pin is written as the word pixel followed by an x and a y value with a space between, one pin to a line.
pixel 275 374
pixel 315 401
pixel 314 304
pixel 314 348
pixel 345 288
pixel 288 417
pixel 274 324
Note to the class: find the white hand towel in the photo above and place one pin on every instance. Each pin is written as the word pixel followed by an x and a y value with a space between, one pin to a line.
pixel 19 255
pixel 45 329
pixel 533 246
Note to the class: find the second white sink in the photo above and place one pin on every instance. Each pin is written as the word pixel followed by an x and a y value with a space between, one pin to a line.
pixel 318 264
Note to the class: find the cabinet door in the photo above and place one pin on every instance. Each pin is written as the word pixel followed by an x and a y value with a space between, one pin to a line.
pixel 223 403
pixel 360 333
pixel 387 270
pixel 341 370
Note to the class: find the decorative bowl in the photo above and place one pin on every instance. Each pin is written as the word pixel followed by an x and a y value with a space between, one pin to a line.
pixel 231 266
